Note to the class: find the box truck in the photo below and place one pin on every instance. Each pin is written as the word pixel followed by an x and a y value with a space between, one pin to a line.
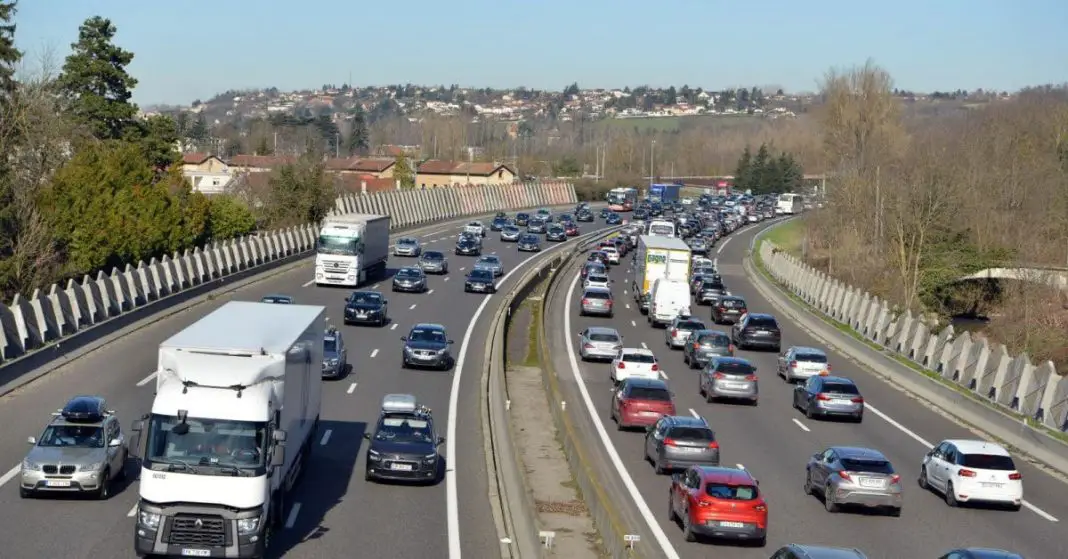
pixel 351 249
pixel 232 426
pixel 658 258
pixel 665 193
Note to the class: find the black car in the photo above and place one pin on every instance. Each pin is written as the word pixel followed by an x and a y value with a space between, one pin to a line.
pixel 556 234
pixel 640 215
pixel 427 345
pixel 498 223
pixel 980 553
pixel 335 355
pixel 529 243
pixel 613 219
pixel 709 292
pixel 366 307
pixel 404 444
pixel 410 280
pixel 480 281
pixel 757 330
pixel 468 247
pixel 522 219
pixel 584 216
pixel 605 212
pixel 728 309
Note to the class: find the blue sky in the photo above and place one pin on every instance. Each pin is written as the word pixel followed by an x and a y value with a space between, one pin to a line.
pixel 192 49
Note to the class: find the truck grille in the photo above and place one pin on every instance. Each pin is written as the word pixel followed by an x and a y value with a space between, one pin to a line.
pixel 190 529
pixel 53 469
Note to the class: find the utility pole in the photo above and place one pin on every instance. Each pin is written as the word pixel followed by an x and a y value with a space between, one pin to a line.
pixel 652 162
pixel 337 145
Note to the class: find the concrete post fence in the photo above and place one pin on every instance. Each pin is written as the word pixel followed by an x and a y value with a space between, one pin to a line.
pixel 1035 391
pixel 58 311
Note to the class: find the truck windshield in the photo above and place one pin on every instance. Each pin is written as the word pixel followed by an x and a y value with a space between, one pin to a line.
pixel 208 447
pixel 331 244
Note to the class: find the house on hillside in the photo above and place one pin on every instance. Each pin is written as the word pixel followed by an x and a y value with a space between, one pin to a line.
pixel 378 167
pixel 436 174
pixel 206 173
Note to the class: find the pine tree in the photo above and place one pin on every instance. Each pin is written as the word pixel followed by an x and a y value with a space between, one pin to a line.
pixel 96 83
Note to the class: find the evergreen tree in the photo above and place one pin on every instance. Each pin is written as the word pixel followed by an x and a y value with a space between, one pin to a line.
pixel 358 139
pixel 9 55
pixel 760 168
pixel 404 171
pixel 743 172
pixel 95 81
pixel 198 131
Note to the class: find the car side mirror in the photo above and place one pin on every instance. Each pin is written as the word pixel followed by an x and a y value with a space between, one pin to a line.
pixel 367 436
pixel 31 440
pixel 451 342
pixel 404 338
pixel 440 441
pixel 114 443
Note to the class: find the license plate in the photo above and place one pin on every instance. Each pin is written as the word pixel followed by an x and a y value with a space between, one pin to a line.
pixel 991 484
pixel 650 413
pixel 841 402
pixel 870 483
pixel 732 524
pixel 762 332
pixel 196 553
pixel 401 467
pixel 736 385
pixel 361 315
pixel 692 449
pixel 58 483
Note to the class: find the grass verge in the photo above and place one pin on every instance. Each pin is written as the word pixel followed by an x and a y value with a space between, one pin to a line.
pixel 788 236
pixel 849 331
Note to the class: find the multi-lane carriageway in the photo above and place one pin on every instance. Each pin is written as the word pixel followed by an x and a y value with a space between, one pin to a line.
pixel 774 442
pixel 335 513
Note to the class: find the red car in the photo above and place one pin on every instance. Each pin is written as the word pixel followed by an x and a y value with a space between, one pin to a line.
pixel 718 502
pixel 641 402
pixel 571 229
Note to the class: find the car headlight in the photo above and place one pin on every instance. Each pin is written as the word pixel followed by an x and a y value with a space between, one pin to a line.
pixel 373 455
pixel 443 350
pixel 94 467
pixel 30 466
pixel 430 458
pixel 148 520
pixel 407 349
pixel 247 526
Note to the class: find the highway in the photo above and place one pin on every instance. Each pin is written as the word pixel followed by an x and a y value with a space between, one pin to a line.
pixel 774 442
pixel 334 512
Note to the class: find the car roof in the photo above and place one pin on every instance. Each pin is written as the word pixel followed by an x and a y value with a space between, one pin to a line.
pixel 807 349
pixel 989 553
pixel 411 269
pixel 489 257
pixel 732 298
pixel 826 552
pixel 687 421
pixel 407 240
pixel 595 289
pixel 859 453
pixel 638 351
pixel 428 326
pixel 366 292
pixel 645 382
pixel 972 446
pixel 602 330
pixel 761 315
pixel 433 253
pixel 724 475
pixel 712 332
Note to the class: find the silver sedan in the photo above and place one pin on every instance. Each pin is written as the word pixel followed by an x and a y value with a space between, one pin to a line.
pixel 600 343
pixel 851 476
pixel 490 263
pixel 407 246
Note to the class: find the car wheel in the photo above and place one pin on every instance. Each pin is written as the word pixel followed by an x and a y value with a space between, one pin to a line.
pixel 922 480
pixel 122 468
pixel 657 468
pixel 895 512
pixel 951 495
pixel 104 492
pixel 687 530
pixel 25 493
pixel 808 489
pixel 672 517
pixel 808 411
pixel 828 500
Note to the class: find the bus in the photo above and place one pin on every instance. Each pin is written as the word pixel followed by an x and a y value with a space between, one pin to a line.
pixel 789 204
pixel 622 199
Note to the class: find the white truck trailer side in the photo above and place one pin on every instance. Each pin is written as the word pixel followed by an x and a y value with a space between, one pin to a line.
pixel 351 249
pixel 233 422
pixel 658 257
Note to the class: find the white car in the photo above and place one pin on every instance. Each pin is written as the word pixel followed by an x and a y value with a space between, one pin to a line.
pixel 966 471
pixel 702 262
pixel 634 362
pixel 613 254
pixel 476 228
pixel 597 280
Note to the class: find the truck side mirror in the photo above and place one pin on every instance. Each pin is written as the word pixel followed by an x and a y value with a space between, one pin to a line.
pixel 137 425
pixel 279 436
pixel 278 457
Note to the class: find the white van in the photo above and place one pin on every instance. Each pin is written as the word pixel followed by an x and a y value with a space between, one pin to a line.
pixel 789 204
pixel 667 299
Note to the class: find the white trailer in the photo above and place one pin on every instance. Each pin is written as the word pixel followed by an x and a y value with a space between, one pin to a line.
pixel 351 249
pixel 233 422
pixel 656 258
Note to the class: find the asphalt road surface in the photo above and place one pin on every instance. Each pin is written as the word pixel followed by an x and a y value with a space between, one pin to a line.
pixel 334 512
pixel 774 442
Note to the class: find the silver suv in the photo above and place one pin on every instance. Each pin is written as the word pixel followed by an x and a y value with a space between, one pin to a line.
pixel 81 451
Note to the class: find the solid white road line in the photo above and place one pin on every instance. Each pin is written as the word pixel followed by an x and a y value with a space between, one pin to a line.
pixel 375 286
pixel 293 512
pixel 132 513
pixel 431 292
pixel 644 346
pixel 613 455
pixel 394 327
pixel 326 437
pixel 452 501
pixel 740 466
pixel 694 413
pixel 10 475
pixel 352 388
pixel 412 308
pixel 446 278
pixel 627 305
pixel 147 379
pixel 307 283
pixel 664 376
pixel 462 268
pixel 801 425
pixel 374 353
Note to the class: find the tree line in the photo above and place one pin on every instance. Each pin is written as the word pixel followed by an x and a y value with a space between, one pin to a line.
pixel 86 182
pixel 765 173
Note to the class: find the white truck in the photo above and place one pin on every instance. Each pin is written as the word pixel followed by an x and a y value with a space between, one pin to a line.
pixel 351 249
pixel 658 257
pixel 232 425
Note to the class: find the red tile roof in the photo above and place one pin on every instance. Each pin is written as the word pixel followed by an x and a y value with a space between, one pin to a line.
pixel 195 158
pixel 261 161
pixel 359 164
pixel 477 169
pixel 354 184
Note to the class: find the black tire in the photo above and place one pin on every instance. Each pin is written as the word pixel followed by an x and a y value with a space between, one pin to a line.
pixel 951 496
pixel 25 493
pixel 922 480
pixel 103 493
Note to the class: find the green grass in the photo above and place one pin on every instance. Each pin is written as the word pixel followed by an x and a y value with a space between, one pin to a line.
pixel 533 358
pixel 787 236
pixel 903 360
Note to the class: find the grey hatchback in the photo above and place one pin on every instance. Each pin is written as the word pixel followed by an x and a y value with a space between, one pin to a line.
pixel 704 345
pixel 596 300
pixel 729 378
pixel 800 551
pixel 826 396
pixel 852 476
pixel 677 442
pixel 599 342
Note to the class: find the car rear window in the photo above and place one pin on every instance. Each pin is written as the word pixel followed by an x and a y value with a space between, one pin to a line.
pixel 596 295
pixel 868 466
pixel 715 340
pixel 734 368
pixel 598 279
pixel 732 304
pixel 987 462
pixel 811 357
pixel 604 338
pixel 639 358
pixel 840 388
pixel 763 322
pixel 646 393
pixel 732 492
pixel 691 325
pixel 692 434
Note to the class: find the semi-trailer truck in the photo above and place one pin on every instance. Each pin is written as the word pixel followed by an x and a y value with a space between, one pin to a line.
pixel 658 258
pixel 232 424
pixel 665 193
pixel 351 249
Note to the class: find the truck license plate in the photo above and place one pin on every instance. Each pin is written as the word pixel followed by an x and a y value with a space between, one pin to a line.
pixel 196 553
pixel 57 483
pixel 401 467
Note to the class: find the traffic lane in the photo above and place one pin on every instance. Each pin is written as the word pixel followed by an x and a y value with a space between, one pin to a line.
pixel 768 438
pixel 921 426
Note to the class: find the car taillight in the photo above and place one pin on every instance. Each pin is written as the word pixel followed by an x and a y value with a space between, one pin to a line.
pixel 857 400
pixel 713 444
pixel 608 302
pixel 718 375
pixel 827 369
pixel 674 332
pixel 895 478
pixel 587 346
pixel 844 475
pixel 696 346
pixel 656 367
pixel 622 365
pixel 761 508
pixel 730 348
pixel 723 309
pixel 669 442
pixel 1016 476
pixel 963 472
pixel 585 301
pixel 793 364
pixel 750 377
pixel 823 397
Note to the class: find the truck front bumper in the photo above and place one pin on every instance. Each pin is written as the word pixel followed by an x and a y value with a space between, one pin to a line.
pixel 186 531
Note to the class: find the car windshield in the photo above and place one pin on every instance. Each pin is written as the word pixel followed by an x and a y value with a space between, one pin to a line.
pixel 204 443
pixel 366 298
pixel 481 275
pixel 420 335
pixel 276 300
pixel 409 273
pixel 599 337
pixel 649 393
pixel 732 304
pixel 433 256
pixel 692 434
pixel 329 345
pixel 731 492
pixel 840 388
pixel 407 242
pixel 639 358
pixel 80 436
pixel 404 430
pixel 490 260
pixel 530 239
pixel 867 466
pixel 511 230
pixel 734 368
pixel 987 462
pixel 811 357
